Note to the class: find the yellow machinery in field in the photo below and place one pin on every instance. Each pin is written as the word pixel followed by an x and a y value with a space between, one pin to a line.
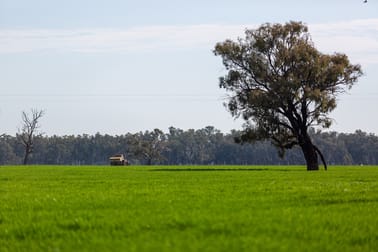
pixel 118 159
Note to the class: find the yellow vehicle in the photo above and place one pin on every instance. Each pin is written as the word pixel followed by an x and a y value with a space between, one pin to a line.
pixel 118 159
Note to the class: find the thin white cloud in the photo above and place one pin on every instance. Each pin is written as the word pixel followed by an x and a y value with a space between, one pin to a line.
pixel 356 38
pixel 115 40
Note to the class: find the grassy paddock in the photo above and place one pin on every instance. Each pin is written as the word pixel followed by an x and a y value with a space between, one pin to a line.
pixel 188 208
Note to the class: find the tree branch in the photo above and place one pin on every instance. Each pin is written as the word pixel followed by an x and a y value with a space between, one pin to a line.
pixel 321 156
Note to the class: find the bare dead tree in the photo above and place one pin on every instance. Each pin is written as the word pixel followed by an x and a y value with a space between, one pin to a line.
pixel 29 129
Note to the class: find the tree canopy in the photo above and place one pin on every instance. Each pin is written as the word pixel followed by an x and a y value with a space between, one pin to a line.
pixel 281 85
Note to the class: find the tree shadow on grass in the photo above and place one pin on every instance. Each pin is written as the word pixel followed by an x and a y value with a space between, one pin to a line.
pixel 345 201
pixel 219 169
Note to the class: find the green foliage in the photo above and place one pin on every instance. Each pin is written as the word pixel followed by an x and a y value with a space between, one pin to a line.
pixel 188 208
pixel 148 146
pixel 281 85
pixel 276 70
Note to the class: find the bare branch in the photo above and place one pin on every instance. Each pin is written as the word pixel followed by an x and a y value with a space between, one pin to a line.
pixel 29 128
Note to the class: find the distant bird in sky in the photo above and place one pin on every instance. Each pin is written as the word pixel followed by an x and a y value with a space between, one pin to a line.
pixel 365 1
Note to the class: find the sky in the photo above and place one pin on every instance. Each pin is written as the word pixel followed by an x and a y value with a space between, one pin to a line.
pixel 119 66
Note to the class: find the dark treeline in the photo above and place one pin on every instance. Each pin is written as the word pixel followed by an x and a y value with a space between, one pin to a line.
pixel 178 147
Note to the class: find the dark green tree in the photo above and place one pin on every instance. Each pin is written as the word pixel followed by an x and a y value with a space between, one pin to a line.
pixel 7 153
pixel 281 85
pixel 149 146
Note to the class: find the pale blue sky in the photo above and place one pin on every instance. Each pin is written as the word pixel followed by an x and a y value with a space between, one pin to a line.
pixel 124 66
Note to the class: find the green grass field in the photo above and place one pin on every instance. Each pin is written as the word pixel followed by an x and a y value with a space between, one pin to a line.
pixel 188 208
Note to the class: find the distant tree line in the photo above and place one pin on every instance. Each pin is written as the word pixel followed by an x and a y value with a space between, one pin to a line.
pixel 185 147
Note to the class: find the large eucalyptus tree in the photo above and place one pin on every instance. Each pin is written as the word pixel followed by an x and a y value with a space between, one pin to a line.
pixel 281 85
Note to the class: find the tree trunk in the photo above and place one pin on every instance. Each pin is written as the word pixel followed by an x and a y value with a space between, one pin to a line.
pixel 28 151
pixel 26 158
pixel 321 157
pixel 309 152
